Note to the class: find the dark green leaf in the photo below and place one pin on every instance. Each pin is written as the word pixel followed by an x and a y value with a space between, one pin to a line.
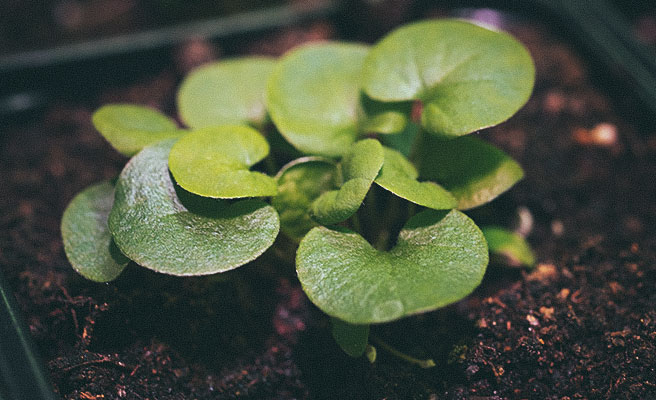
pixel 87 242
pixel 299 184
pixel 353 339
pixel 439 258
pixel 155 228
pixel 474 171
pixel 466 77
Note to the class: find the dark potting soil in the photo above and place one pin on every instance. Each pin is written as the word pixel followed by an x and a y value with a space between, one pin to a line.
pixel 581 325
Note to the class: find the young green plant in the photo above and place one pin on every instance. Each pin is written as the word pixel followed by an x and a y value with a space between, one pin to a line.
pixel 378 169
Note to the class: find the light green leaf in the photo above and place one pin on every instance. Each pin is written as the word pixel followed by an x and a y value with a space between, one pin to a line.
pixel 313 96
pixel 440 257
pixel 214 162
pixel 87 242
pixel 227 92
pixel 466 77
pixel 399 176
pixel 299 183
pixel 512 248
pixel 130 127
pixel 474 171
pixel 179 233
pixel 353 339
pixel 359 167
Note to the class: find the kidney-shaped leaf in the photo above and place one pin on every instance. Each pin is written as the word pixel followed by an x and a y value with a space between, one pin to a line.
pixel 474 171
pixel 225 92
pixel 130 127
pixel 153 227
pixel 439 258
pixel 87 242
pixel 399 176
pixel 214 162
pixel 466 77
pixel 300 183
pixel 509 246
pixel 313 96
pixel 359 166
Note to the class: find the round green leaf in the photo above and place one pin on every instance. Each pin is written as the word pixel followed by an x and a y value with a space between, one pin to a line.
pixel 313 96
pixel 512 248
pixel 440 257
pixel 399 176
pixel 299 183
pixel 359 167
pixel 154 227
pixel 87 242
pixel 466 77
pixel 228 92
pixel 474 171
pixel 353 339
pixel 214 162
pixel 130 127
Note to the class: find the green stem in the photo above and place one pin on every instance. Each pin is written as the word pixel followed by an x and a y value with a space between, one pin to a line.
pixel 429 363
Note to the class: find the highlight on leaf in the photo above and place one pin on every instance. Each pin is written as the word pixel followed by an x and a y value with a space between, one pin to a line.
pixel 215 161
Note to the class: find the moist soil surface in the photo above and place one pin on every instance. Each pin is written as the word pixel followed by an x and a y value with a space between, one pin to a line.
pixel 581 324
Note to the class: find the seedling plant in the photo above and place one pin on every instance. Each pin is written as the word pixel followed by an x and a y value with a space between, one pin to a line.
pixel 377 170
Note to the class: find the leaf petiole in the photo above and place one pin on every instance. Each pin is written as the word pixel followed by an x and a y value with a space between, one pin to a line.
pixel 428 363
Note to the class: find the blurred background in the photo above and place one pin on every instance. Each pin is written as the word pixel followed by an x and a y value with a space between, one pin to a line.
pixel 68 49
